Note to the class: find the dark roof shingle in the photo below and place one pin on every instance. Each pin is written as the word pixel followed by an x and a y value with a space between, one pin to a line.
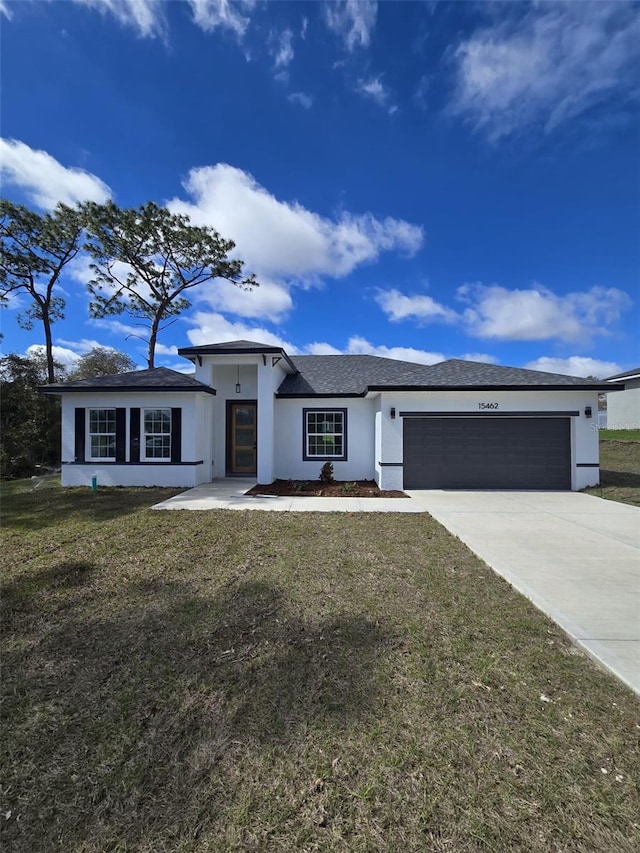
pixel 154 379
pixel 353 375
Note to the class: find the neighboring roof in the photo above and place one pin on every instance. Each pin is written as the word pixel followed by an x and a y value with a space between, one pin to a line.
pixel 234 348
pixel 155 379
pixel 629 374
pixel 354 375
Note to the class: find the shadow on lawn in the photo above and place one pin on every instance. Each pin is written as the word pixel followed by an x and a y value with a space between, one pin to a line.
pixel 619 478
pixel 18 595
pixel 35 510
pixel 137 727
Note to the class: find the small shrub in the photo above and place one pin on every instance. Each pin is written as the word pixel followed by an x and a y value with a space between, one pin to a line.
pixel 326 474
pixel 349 488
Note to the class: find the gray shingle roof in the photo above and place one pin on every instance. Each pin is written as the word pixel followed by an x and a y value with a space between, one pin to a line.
pixel 625 375
pixel 457 372
pixel 348 374
pixel 230 345
pixel 155 379
pixel 355 374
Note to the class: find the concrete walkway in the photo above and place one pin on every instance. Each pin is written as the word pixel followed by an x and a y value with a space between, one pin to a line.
pixel 577 558
pixel 231 494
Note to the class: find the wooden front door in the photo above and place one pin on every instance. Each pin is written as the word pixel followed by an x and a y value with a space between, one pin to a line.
pixel 242 437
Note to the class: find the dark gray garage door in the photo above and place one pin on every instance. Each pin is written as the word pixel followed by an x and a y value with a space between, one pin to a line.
pixel 487 453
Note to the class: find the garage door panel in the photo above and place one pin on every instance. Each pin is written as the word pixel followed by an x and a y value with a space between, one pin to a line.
pixel 486 453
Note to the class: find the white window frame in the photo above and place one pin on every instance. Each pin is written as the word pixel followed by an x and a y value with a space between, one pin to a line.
pixel 91 434
pixel 306 433
pixel 144 435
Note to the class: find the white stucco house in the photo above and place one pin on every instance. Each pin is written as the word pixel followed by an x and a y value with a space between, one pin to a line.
pixel 252 410
pixel 623 410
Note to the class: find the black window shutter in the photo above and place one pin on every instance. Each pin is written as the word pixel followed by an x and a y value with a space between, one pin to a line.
pixel 176 435
pixel 121 435
pixel 80 428
pixel 134 435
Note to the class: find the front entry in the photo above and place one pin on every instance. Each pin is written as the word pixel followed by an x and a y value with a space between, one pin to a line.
pixel 242 437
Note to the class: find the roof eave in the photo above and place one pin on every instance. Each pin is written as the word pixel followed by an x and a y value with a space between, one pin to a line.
pixel 61 389
pixel 313 395
pixel 601 388
pixel 192 352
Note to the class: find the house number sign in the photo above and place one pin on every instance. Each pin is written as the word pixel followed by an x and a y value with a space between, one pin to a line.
pixel 487 405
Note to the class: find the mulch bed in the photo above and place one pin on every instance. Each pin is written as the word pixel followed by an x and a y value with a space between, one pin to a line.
pixel 317 489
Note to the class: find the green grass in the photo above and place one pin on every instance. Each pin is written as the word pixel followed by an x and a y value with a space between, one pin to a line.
pixel 619 435
pixel 619 468
pixel 248 681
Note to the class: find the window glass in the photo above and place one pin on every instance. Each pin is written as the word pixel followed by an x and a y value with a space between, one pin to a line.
pixel 325 433
pixel 157 433
pixel 102 433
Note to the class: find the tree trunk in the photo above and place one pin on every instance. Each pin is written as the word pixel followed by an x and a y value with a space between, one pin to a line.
pixel 51 376
pixel 152 342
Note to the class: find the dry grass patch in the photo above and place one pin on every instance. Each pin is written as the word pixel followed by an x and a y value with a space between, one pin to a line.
pixel 619 467
pixel 226 681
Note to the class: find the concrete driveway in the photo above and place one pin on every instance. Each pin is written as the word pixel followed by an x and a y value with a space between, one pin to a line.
pixel 577 557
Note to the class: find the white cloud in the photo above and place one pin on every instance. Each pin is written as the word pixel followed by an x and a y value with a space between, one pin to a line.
pixel 84 345
pixel 123 330
pixel 423 308
pixel 270 301
pixel 214 328
pixel 483 357
pixel 547 66
pixel 539 314
pixel 322 349
pixel 280 239
pixel 145 16
pixel 281 50
pixel 575 365
pixel 352 20
pixel 361 346
pixel 210 15
pixel 375 90
pixel 163 349
pixel 181 366
pixel 301 99
pixel 4 10
pixel 44 180
pixel 66 357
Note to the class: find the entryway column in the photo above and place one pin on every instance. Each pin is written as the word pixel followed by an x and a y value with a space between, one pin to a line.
pixel 265 423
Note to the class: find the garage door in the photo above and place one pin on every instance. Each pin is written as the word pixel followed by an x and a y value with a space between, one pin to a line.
pixel 487 453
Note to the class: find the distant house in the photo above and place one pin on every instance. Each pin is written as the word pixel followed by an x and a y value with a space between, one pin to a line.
pixel 623 409
pixel 252 410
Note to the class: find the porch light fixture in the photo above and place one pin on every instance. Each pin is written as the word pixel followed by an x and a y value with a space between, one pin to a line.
pixel 393 412
pixel 587 411
pixel 238 386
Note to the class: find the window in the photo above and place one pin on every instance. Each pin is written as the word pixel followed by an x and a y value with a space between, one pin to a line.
pixel 325 433
pixel 157 433
pixel 102 433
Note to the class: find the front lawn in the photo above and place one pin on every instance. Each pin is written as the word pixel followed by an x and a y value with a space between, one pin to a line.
pixel 619 466
pixel 228 681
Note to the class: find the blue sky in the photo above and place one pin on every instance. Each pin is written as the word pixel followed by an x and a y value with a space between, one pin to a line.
pixel 418 180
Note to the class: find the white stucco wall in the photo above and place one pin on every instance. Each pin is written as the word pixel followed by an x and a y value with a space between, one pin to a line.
pixel 623 407
pixel 195 447
pixel 288 439
pixel 584 431
pixel 259 380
